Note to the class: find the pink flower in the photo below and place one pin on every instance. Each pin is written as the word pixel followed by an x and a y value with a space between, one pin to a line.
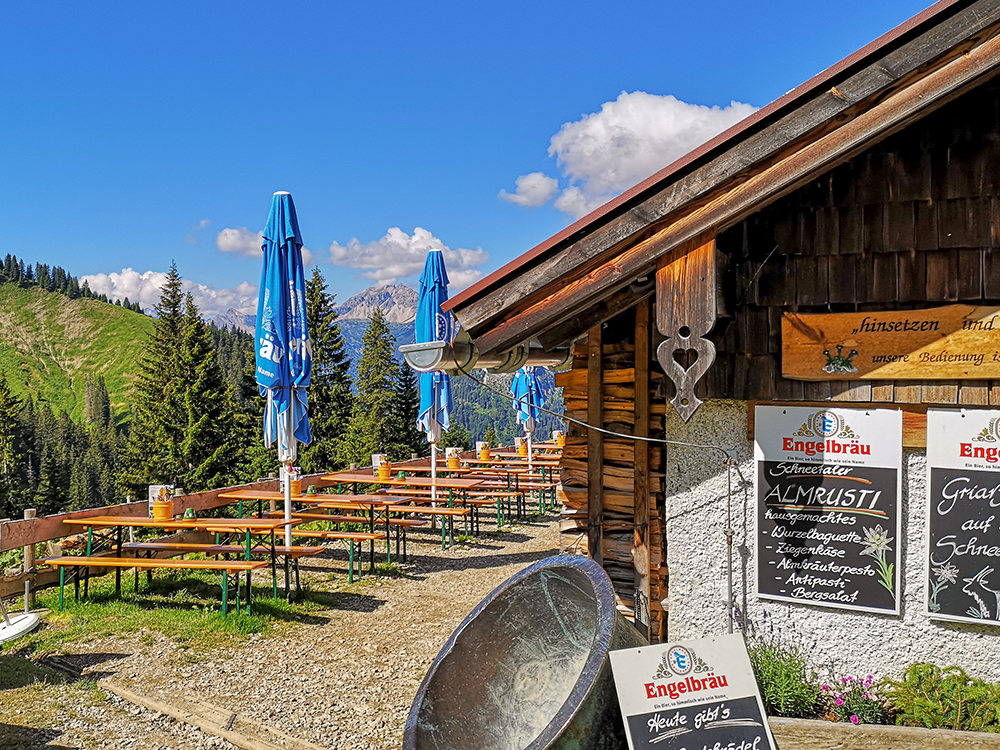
pixel 855 719
pixel 839 701
pixel 826 687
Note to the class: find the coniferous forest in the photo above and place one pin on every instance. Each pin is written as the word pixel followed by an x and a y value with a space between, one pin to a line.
pixel 195 413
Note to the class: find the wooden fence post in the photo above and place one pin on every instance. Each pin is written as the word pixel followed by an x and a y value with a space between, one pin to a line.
pixel 28 567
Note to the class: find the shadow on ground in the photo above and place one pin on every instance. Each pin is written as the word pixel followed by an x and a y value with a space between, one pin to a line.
pixel 17 737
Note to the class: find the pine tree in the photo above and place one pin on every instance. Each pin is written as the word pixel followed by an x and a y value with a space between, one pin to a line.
pixel 13 461
pixel 253 459
pixel 153 450
pixel 408 405
pixel 490 438
pixel 456 437
pixel 206 455
pixel 330 396
pixel 375 425
pixel 96 401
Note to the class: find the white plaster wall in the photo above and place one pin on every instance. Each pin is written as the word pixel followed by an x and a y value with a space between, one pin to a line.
pixel 845 642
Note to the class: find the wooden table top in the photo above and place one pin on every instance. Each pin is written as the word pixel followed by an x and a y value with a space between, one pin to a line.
pixel 249 523
pixel 363 502
pixel 523 458
pixel 363 477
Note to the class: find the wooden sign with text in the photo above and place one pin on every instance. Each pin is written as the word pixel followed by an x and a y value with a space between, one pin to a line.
pixel 957 342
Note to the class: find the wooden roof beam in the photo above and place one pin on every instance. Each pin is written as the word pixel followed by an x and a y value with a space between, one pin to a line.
pixel 573 326
pixel 945 40
pixel 854 136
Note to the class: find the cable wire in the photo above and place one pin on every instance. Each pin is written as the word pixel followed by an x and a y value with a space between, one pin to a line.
pixel 729 453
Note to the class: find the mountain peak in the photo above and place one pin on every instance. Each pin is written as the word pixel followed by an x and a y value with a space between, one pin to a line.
pixel 398 303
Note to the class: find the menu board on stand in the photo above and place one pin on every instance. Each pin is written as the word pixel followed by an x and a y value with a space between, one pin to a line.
pixel 963 533
pixel 828 490
pixel 690 694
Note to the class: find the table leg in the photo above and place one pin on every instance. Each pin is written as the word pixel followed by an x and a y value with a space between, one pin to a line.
pixel 388 554
pixel 118 571
pixel 225 593
pixel 288 578
pixel 350 561
pixel 62 585
pixel 248 573
pixel 274 572
pixel 86 579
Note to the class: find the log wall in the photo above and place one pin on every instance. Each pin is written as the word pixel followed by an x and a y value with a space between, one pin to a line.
pixel 912 223
pixel 617 467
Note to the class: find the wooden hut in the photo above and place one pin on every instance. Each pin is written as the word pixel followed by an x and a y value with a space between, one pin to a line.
pixel 872 188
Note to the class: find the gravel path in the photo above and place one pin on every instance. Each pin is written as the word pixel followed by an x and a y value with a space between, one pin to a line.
pixel 345 680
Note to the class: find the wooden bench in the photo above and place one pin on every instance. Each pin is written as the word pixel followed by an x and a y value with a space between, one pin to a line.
pixel 473 499
pixel 401 526
pixel 442 511
pixel 351 537
pixel 226 567
pixel 186 548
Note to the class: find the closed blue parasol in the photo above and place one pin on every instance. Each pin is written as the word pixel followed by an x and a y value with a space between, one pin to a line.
pixel 432 324
pixel 284 354
pixel 527 392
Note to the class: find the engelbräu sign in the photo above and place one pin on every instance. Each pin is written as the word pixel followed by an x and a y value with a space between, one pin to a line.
pixel 963 534
pixel 691 695
pixel 828 484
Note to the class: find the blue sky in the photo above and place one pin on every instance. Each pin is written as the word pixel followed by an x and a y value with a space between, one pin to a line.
pixel 135 133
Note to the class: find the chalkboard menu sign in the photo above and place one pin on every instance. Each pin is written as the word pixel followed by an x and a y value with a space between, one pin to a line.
pixel 963 527
pixel 828 521
pixel 690 694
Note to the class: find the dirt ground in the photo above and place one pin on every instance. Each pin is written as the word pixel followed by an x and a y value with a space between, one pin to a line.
pixel 344 679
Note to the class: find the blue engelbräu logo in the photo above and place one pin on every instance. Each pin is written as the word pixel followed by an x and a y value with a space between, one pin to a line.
pixel 679 659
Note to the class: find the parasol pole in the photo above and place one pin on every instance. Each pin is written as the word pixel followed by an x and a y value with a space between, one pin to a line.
pixel 434 436
pixel 529 427
pixel 434 473
pixel 287 465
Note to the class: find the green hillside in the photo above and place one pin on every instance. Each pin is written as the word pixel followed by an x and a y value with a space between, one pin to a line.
pixel 49 343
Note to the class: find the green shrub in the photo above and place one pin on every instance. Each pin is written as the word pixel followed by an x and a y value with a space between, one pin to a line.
pixel 786 685
pixel 928 696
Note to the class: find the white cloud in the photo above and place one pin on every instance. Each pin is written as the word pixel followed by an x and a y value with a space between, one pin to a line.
pixel 398 255
pixel 242 241
pixel 533 190
pixel 189 237
pixel 631 138
pixel 576 202
pixel 144 288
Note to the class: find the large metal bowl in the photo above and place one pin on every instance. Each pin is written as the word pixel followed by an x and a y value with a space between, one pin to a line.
pixel 528 668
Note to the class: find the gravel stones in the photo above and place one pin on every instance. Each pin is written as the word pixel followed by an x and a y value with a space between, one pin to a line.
pixel 344 680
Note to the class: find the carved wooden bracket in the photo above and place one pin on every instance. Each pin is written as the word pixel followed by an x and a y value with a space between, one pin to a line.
pixel 685 313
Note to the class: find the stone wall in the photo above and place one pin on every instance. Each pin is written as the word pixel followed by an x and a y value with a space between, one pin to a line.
pixel 841 641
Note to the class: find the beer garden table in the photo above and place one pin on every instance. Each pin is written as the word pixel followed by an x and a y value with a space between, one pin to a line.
pixel 367 503
pixel 249 526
